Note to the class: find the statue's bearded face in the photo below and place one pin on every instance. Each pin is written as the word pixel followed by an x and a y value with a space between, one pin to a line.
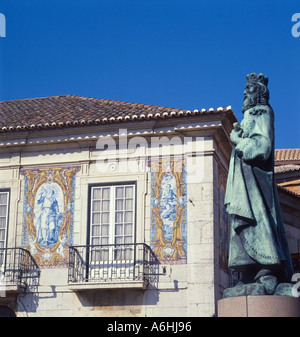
pixel 251 96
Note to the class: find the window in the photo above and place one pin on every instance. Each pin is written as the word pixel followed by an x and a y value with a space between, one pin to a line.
pixel 111 257
pixel 4 205
pixel 112 232
pixel 112 215
pixel 4 199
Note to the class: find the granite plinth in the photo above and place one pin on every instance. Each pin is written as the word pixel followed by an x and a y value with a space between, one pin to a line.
pixel 259 306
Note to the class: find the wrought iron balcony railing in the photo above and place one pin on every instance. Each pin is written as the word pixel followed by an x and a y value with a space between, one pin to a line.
pixel 111 263
pixel 17 268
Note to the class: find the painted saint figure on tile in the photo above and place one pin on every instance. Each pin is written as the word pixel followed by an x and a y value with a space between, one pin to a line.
pixel 48 214
pixel 168 204
pixel 168 195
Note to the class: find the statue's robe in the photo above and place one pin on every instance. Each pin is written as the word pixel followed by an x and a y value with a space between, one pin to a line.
pixel 257 235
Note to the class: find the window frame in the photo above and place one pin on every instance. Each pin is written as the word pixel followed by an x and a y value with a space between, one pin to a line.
pixel 3 249
pixel 89 210
pixel 6 190
pixel 110 262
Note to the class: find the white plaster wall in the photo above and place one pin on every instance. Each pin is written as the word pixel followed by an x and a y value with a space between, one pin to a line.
pixel 185 290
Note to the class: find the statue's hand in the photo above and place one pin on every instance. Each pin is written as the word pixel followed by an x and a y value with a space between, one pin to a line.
pixel 237 126
pixel 235 136
pixel 239 153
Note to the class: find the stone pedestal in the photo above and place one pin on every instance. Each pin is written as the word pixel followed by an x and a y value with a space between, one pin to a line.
pixel 259 306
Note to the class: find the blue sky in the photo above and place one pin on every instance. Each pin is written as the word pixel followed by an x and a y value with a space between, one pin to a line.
pixel 187 54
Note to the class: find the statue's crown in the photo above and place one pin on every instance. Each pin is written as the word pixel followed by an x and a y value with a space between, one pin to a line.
pixel 253 78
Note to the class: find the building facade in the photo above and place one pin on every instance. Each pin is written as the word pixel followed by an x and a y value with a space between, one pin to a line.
pixel 116 209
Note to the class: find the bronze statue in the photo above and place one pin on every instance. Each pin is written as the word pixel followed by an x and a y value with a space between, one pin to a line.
pixel 258 246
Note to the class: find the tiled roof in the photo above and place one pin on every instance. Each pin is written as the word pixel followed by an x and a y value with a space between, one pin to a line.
pixel 69 110
pixel 286 168
pixel 287 154
pixel 287 191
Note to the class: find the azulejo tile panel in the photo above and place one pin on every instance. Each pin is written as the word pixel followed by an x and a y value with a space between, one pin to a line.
pixel 169 211
pixel 48 214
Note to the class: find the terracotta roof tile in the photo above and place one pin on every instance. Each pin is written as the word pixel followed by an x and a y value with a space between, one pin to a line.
pixel 69 110
pixel 287 191
pixel 287 154
pixel 286 168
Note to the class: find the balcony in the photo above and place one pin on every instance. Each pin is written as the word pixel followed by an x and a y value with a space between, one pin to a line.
pixel 110 266
pixel 18 269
